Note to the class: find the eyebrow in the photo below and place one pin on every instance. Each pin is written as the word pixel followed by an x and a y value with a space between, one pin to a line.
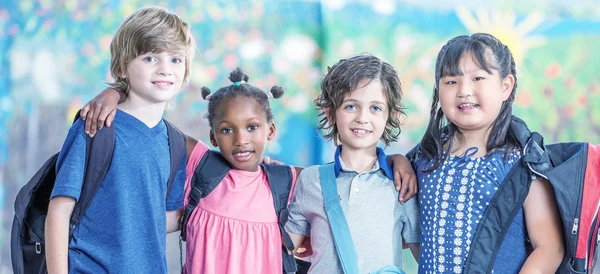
pixel 247 120
pixel 354 101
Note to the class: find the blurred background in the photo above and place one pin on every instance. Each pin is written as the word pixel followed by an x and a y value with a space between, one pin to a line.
pixel 55 57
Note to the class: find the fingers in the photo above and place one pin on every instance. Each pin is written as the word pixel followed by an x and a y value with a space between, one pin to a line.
pixel 103 116
pixel 266 160
pixel 84 111
pixel 111 118
pixel 88 123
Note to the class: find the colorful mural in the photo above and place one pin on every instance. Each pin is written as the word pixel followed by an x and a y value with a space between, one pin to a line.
pixel 55 57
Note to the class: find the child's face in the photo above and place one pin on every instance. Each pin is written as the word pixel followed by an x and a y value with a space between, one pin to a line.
pixel 472 101
pixel 156 77
pixel 241 131
pixel 362 116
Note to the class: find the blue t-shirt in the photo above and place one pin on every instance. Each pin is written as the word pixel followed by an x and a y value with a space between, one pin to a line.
pixel 452 200
pixel 124 228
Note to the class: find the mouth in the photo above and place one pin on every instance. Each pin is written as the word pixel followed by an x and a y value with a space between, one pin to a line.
pixel 361 132
pixel 243 155
pixel 162 84
pixel 468 106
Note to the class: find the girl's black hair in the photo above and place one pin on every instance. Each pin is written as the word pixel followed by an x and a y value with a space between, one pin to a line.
pixel 490 54
pixel 240 87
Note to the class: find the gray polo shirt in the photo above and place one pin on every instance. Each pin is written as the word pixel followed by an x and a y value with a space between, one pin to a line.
pixel 376 219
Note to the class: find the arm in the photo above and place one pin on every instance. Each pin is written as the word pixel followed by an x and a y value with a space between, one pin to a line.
pixel 544 229
pixel 57 233
pixel 101 109
pixel 174 220
pixel 414 249
pixel 404 177
pixel 297 239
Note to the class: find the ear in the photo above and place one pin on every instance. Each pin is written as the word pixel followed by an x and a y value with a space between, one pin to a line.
pixel 507 86
pixel 272 131
pixel 395 114
pixel 330 119
pixel 213 140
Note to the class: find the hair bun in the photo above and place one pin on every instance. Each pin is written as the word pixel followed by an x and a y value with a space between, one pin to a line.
pixel 237 75
pixel 277 91
pixel 205 93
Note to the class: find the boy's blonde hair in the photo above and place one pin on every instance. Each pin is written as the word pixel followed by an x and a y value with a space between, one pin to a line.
pixel 149 29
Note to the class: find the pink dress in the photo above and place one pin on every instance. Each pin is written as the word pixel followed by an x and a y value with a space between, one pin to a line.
pixel 234 229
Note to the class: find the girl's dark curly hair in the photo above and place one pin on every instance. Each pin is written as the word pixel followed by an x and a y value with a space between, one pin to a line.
pixel 240 87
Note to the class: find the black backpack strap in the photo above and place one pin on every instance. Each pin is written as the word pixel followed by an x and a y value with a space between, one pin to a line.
pixel 98 156
pixel 210 171
pixel 280 182
pixel 177 150
pixel 497 218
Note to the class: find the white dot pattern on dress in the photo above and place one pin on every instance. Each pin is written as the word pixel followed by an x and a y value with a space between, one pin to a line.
pixel 452 201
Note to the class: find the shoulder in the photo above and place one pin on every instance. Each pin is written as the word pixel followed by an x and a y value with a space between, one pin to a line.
pixel 310 173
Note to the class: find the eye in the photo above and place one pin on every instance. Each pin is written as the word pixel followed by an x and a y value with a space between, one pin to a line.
pixel 177 60
pixel 450 82
pixel 226 130
pixel 376 108
pixel 478 79
pixel 149 59
pixel 350 107
pixel 252 127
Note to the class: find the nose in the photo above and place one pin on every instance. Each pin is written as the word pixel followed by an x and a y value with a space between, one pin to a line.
pixel 164 69
pixel 361 116
pixel 240 138
pixel 465 89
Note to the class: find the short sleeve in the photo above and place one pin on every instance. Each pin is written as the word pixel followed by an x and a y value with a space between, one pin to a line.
pixel 411 231
pixel 175 199
pixel 297 222
pixel 70 163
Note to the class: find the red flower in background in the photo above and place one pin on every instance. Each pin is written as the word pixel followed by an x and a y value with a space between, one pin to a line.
pixel 553 70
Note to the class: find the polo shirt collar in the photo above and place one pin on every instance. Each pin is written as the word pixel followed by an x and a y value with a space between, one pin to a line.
pixel 381 163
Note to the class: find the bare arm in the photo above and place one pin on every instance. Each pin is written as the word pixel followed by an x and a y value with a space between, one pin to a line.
pixel 174 220
pixel 544 229
pixel 102 109
pixel 404 177
pixel 297 239
pixel 414 249
pixel 57 234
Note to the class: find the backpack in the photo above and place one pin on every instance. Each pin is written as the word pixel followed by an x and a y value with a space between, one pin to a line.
pixel 573 171
pixel 211 170
pixel 31 204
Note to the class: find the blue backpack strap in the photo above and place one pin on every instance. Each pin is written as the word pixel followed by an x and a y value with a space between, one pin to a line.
pixel 98 156
pixel 337 221
pixel 177 151
pixel 280 182
pixel 209 172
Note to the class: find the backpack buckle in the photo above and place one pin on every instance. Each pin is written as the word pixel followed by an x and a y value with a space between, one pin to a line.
pixel 38 248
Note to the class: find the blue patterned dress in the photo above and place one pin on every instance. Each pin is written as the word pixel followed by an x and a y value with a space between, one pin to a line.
pixel 452 200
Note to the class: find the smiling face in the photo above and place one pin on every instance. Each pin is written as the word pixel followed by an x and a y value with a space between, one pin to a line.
pixel 241 131
pixel 362 116
pixel 155 77
pixel 472 100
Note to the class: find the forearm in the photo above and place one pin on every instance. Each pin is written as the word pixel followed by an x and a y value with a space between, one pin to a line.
pixel 57 243
pixel 414 249
pixel 542 260
pixel 173 221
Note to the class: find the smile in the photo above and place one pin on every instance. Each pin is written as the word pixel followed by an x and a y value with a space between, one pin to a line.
pixel 468 106
pixel 162 84
pixel 361 132
pixel 242 156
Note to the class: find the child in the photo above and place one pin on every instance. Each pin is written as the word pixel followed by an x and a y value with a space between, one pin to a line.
pixel 360 105
pixel 466 152
pixel 123 229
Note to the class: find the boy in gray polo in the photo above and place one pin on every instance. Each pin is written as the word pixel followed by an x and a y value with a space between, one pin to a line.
pixel 360 102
